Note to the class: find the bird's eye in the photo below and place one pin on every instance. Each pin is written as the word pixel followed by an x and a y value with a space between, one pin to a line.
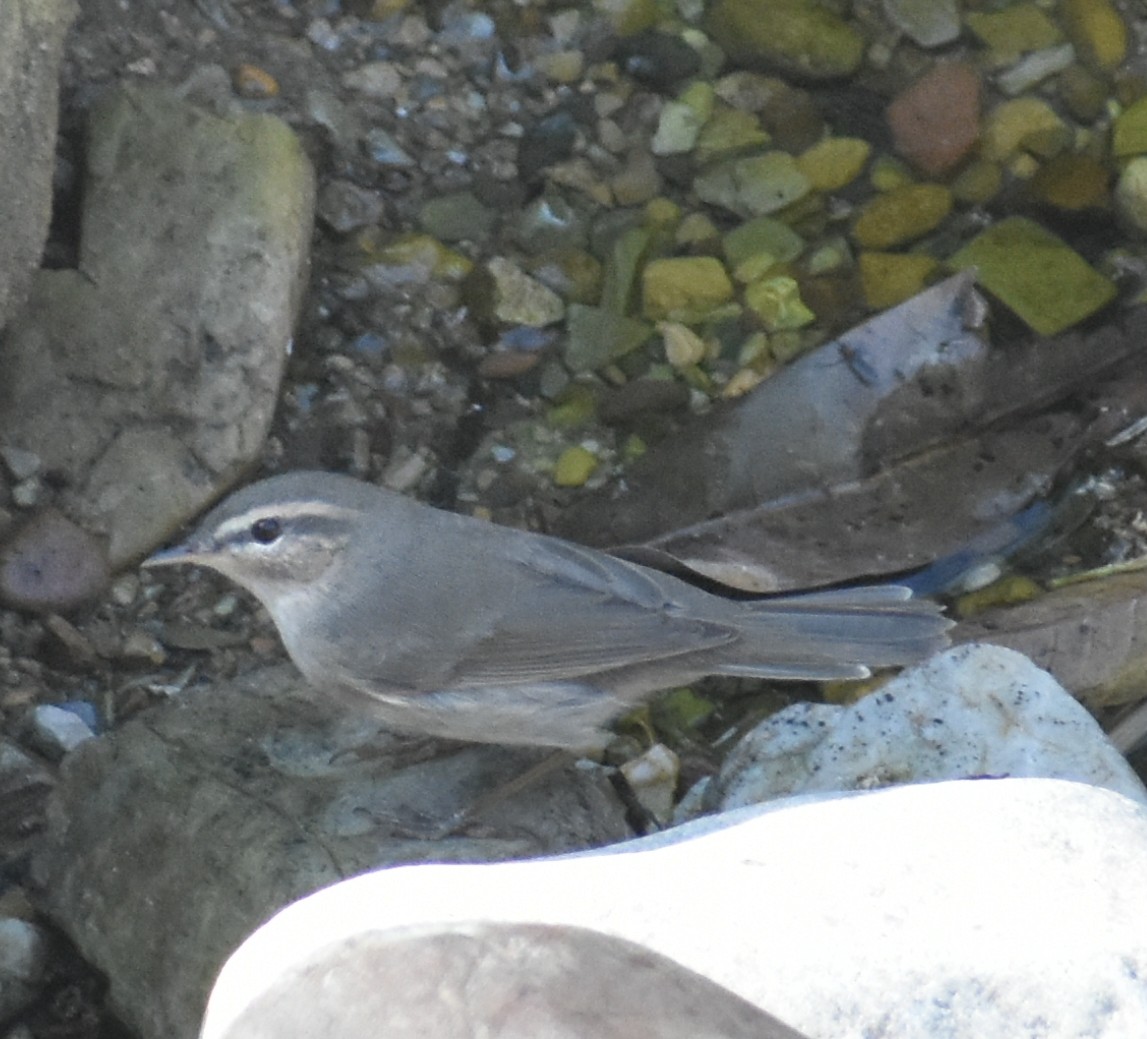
pixel 266 530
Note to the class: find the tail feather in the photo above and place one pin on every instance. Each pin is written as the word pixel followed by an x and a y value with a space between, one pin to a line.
pixel 837 634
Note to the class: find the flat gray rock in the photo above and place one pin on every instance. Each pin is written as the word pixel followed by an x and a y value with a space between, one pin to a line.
pixel 148 377
pixel 31 43
pixel 171 839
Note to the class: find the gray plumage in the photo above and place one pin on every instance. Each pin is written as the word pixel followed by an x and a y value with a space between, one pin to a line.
pixel 454 627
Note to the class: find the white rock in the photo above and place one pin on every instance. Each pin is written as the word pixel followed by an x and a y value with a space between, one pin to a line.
pixel 974 710
pixel 56 732
pixel 963 910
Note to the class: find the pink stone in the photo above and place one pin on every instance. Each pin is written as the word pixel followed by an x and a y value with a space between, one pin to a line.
pixel 935 121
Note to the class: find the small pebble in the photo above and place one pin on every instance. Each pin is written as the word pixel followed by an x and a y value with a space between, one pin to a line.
pixel 936 121
pixel 52 564
pixel 55 732
pixel 255 83
pixel 574 466
pixel 20 463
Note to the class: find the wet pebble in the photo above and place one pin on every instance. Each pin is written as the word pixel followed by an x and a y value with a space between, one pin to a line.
pixel 935 122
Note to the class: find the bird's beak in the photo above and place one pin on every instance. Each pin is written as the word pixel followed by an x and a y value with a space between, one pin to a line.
pixel 188 552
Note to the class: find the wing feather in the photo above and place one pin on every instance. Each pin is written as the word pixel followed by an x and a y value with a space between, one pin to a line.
pixel 614 614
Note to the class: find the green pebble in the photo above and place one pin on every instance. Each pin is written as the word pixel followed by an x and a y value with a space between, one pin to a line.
pixel 684 286
pixel 754 186
pixel 801 36
pixel 597 336
pixel 1049 285
pixel 574 466
pixel 1129 135
pixel 901 215
pixel 763 235
pixel 778 303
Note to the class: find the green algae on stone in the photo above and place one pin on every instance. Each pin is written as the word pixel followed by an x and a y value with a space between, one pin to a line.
pixel 597 336
pixel 681 120
pixel 1129 134
pixel 901 215
pixel 798 36
pixel 1097 31
pixel 835 162
pixel 574 466
pixel 621 268
pixel 729 131
pixel 764 242
pixel 628 17
pixel 891 278
pixel 777 302
pixel 1131 195
pixel 577 407
pixel 683 287
pixel 498 291
pixel 1036 274
pixel 1024 123
pixel 1013 31
pixel 411 258
pixel 753 186
pixel 1071 182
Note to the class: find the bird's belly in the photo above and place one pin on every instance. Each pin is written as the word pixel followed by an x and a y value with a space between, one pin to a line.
pixel 555 714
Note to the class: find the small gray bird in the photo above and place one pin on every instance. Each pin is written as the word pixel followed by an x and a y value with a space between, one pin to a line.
pixel 450 626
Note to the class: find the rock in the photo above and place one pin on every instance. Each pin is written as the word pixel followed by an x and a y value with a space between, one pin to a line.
pixel 344 206
pixel 1014 30
pixel 56 732
pixel 147 379
pixel 23 964
pixel 1098 32
pixel 1131 195
pixel 683 347
pixel 1129 134
pixel 835 162
pixel 574 466
pixel 51 563
pixel 1035 68
pixel 901 215
pixel 976 710
pixel 1049 296
pixel 680 124
pixel 1072 182
pixel 761 243
pixel 457 217
pixel 777 302
pixel 935 121
pixel 799 37
pixel 891 278
pixel 597 337
pixel 31 43
pixel 823 911
pixel 683 285
pixel 729 131
pixel 172 838
pixel 930 23
pixel 755 186
pixel 448 980
pixel 501 293
pixel 24 786
pixel 1023 124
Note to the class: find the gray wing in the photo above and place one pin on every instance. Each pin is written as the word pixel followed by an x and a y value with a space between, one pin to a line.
pixel 577 612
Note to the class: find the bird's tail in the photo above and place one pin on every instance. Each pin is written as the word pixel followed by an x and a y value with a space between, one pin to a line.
pixel 837 634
